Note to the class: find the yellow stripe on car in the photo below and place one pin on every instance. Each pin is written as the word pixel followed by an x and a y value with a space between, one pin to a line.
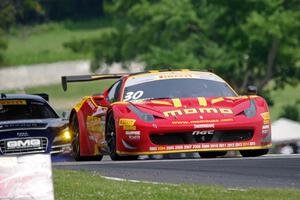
pixel 202 101
pixel 176 102
pixel 213 101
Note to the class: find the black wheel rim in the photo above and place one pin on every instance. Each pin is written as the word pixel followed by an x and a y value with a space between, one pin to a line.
pixel 111 137
pixel 75 142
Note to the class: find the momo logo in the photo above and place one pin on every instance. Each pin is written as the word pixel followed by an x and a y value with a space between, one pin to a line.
pixel 211 132
pixel 21 144
pixel 198 111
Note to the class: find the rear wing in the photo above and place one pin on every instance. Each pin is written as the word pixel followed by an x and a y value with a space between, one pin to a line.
pixel 83 78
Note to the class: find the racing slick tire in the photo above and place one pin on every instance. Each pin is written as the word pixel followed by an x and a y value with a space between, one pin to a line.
pixel 253 153
pixel 212 154
pixel 74 127
pixel 111 139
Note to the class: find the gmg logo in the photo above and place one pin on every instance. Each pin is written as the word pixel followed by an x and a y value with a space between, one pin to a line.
pixel 20 144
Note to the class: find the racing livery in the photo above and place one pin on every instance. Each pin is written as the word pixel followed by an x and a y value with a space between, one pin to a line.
pixel 29 125
pixel 159 112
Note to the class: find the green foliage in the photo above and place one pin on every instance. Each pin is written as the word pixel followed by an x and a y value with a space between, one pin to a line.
pixel 246 42
pixel 290 112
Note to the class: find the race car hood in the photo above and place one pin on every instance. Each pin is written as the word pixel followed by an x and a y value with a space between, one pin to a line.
pixel 193 108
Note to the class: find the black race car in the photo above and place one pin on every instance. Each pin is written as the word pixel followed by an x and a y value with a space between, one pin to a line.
pixel 29 125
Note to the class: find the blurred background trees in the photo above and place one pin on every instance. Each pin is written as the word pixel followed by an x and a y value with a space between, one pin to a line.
pixel 247 42
pixel 252 42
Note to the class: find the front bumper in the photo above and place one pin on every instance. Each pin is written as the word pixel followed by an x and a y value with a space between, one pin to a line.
pixel 140 140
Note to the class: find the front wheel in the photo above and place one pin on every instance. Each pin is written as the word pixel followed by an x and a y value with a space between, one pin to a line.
pixel 111 139
pixel 254 153
pixel 74 128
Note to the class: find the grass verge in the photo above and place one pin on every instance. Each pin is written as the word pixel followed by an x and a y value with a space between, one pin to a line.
pixel 84 185
pixel 44 43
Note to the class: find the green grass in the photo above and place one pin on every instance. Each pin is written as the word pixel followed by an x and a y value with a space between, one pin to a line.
pixel 282 97
pixel 44 43
pixel 84 185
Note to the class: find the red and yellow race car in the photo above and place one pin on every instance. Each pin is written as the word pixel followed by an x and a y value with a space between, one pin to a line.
pixel 161 112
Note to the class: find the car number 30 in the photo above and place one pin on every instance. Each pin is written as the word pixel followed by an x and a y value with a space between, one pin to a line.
pixel 133 95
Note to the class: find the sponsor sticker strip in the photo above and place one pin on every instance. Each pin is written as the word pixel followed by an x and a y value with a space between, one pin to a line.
pixel 202 146
pixel 13 102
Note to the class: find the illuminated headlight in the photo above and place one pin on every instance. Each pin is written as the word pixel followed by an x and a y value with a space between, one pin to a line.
pixel 66 135
pixel 144 116
pixel 251 111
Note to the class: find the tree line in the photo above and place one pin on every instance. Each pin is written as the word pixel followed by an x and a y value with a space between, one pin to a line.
pixel 247 42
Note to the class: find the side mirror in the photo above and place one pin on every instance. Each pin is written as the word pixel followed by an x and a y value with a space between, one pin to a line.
pixel 251 90
pixel 101 100
pixel 66 115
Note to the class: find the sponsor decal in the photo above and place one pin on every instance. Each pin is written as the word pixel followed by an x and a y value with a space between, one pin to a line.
pixel 210 132
pixel 204 126
pixel 134 137
pixel 92 106
pixel 13 102
pixel 267 126
pixel 21 144
pixel 197 110
pixel 132 132
pixel 265 131
pixel 126 122
pixel 171 76
pixel 21 134
pixel 203 146
pixel 265 115
pixel 129 128
pixel 93 124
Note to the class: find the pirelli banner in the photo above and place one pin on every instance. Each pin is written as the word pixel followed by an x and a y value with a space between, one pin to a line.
pixel 26 177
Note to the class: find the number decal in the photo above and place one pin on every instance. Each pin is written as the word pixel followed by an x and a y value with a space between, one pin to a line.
pixel 133 95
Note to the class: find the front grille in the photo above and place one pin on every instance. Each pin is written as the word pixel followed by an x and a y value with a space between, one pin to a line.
pixel 193 137
pixel 24 150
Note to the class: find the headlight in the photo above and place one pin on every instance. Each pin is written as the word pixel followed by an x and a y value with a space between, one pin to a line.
pixel 66 135
pixel 251 111
pixel 144 116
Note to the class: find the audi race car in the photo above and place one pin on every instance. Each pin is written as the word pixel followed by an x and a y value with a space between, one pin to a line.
pixel 160 112
pixel 29 125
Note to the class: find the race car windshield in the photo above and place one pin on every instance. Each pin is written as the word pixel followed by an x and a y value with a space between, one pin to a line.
pixel 177 88
pixel 25 109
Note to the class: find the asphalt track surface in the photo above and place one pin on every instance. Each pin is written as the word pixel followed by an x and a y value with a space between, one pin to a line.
pixel 270 171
